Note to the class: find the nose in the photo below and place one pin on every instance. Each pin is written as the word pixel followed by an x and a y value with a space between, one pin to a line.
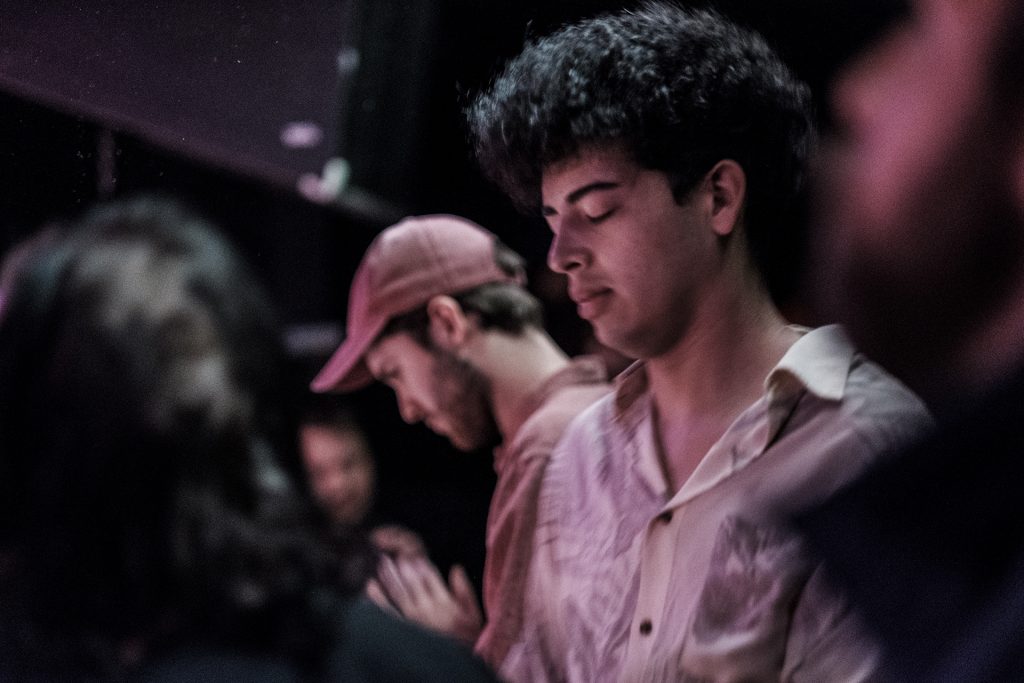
pixel 565 254
pixel 408 408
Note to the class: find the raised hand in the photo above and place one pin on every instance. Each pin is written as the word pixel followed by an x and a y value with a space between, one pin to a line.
pixel 415 588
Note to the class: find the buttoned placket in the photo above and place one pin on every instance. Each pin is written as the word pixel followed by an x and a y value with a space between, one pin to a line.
pixel 824 374
pixel 737 447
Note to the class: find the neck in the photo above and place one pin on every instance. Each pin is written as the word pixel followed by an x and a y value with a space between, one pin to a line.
pixel 720 363
pixel 516 367
pixel 712 374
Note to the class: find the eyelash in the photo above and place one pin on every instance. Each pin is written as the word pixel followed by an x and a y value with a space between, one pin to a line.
pixel 600 217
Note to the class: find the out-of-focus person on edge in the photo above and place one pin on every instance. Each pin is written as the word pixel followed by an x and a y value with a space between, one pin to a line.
pixel 920 251
pixel 439 311
pixel 148 527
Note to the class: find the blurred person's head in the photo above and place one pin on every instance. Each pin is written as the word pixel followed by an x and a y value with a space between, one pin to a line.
pixel 17 255
pixel 142 418
pixel 661 144
pixel 339 464
pixel 427 287
pixel 921 205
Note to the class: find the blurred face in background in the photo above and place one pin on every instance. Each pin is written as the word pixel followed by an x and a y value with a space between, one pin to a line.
pixel 341 471
pixel 916 230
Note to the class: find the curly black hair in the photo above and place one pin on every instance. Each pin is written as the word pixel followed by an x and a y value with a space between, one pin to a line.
pixel 682 89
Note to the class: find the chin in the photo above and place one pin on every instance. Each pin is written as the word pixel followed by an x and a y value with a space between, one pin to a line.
pixel 607 337
pixel 477 439
pixel 622 344
pixel 464 444
pixel 345 518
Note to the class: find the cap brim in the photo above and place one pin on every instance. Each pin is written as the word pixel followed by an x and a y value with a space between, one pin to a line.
pixel 346 370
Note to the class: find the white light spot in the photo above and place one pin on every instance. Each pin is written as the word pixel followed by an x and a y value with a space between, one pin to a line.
pixel 301 135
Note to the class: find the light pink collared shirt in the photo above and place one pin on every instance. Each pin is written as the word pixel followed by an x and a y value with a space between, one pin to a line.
pixel 541 419
pixel 632 581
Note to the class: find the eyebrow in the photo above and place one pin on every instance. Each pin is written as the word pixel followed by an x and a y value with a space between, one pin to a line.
pixel 582 192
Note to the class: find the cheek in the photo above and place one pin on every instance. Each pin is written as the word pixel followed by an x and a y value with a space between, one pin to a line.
pixel 626 259
pixel 419 387
pixel 448 397
pixel 659 269
pixel 324 489
pixel 361 476
pixel 426 396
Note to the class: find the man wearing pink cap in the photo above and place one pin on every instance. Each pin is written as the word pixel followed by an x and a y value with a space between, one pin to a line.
pixel 439 312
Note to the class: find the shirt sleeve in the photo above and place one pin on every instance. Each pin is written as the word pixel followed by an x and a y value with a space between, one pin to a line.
pixel 530 656
pixel 510 535
pixel 828 640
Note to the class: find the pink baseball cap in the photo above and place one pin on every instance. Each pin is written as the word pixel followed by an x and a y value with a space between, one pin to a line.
pixel 408 264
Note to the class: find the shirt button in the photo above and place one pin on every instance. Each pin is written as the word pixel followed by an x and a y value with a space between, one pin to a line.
pixel 665 517
pixel 645 627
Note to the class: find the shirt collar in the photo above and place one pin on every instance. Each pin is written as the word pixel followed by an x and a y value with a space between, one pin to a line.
pixel 630 386
pixel 581 370
pixel 819 362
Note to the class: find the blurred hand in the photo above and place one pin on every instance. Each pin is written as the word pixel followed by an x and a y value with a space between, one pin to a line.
pixel 397 541
pixel 415 588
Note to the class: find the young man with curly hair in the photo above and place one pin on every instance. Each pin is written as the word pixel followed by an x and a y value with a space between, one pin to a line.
pixel 666 149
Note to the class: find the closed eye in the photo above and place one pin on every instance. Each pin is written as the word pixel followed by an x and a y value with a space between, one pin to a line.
pixel 600 217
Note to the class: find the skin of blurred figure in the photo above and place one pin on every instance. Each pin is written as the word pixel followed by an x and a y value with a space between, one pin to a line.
pixel 920 205
pixel 341 469
pixel 342 473
pixel 920 250
pixel 150 529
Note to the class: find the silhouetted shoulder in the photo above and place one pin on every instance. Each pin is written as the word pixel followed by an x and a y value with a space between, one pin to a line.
pixel 368 645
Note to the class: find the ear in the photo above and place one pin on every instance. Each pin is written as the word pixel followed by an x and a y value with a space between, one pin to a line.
pixel 726 184
pixel 449 326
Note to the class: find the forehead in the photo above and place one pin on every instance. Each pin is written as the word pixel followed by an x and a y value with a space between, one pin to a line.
pixel 327 442
pixel 591 163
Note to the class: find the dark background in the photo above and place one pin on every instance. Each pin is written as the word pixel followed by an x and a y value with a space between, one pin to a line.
pixel 112 98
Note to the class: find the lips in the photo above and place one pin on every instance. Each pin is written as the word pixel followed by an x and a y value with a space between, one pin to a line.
pixel 590 302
